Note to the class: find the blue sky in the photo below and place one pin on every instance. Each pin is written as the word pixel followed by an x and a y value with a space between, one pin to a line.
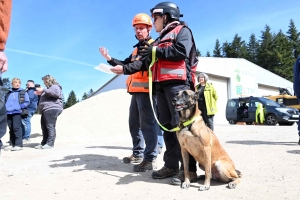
pixel 62 38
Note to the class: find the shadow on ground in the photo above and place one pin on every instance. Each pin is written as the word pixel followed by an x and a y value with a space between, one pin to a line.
pixel 35 135
pixel 257 142
pixel 294 151
pixel 108 165
pixel 31 145
pixel 110 147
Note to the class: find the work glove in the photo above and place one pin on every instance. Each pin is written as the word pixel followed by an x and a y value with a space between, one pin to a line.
pixel 145 51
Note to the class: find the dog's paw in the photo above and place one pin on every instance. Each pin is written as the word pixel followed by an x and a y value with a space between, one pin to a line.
pixel 231 185
pixel 203 188
pixel 185 185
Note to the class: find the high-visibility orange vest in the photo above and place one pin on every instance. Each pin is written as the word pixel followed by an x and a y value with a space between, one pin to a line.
pixel 139 81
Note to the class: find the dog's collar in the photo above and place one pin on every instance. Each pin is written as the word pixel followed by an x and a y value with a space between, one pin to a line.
pixel 185 124
pixel 188 122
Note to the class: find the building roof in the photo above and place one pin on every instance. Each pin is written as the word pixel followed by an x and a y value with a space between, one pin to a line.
pixel 226 67
pixel 223 67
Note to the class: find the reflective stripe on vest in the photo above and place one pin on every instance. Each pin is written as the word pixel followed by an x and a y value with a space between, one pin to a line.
pixel 171 71
pixel 138 82
pixel 164 70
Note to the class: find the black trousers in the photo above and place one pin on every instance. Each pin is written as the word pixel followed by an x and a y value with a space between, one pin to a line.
pixel 169 118
pixel 208 119
pixel 48 123
pixel 3 116
pixel 14 122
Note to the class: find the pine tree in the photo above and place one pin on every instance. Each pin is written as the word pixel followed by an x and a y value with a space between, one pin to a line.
pixel 238 48
pixel 72 100
pixel 90 92
pixel 252 49
pixel 85 96
pixel 265 57
pixel 207 54
pixel 217 50
pixel 198 53
pixel 6 84
pixel 294 39
pixel 283 57
pixel 226 49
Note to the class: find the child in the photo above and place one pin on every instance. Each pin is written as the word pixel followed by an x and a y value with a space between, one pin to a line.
pixel 14 105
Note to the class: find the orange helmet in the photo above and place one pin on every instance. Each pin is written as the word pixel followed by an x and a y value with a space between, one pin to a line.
pixel 142 18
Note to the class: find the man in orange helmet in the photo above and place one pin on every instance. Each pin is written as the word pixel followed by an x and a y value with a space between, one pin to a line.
pixel 142 124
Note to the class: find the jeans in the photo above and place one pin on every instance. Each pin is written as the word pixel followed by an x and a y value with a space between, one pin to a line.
pixel 3 116
pixel 298 119
pixel 26 125
pixel 14 122
pixel 143 127
pixel 48 123
pixel 210 122
pixel 160 139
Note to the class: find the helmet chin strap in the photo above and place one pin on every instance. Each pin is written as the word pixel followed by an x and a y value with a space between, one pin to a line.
pixel 165 21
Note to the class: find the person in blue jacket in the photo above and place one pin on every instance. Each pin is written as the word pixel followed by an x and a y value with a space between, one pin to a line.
pixel 296 72
pixel 26 121
pixel 14 119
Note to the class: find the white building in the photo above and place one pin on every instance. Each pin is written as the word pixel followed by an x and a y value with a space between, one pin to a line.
pixel 231 77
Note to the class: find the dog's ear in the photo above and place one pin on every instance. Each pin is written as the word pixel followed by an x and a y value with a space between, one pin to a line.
pixel 185 95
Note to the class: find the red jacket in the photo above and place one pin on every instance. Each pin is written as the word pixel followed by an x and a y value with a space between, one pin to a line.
pixel 164 70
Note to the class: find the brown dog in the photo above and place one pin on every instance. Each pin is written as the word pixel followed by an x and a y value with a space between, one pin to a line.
pixel 201 142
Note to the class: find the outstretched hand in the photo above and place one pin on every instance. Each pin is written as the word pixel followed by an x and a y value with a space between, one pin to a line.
pixel 104 53
pixel 118 69
pixel 3 62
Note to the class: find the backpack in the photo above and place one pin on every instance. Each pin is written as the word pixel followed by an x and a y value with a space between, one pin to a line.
pixel 21 95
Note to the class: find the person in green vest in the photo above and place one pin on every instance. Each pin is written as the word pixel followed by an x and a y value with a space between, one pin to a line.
pixel 207 100
pixel 259 114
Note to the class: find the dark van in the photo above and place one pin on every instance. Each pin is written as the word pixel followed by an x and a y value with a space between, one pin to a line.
pixel 243 110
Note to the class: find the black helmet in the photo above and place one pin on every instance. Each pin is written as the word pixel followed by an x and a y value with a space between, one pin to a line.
pixel 167 7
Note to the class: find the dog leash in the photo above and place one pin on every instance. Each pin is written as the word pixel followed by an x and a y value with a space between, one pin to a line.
pixel 154 59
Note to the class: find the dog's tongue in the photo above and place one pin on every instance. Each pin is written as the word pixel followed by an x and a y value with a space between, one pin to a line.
pixel 179 106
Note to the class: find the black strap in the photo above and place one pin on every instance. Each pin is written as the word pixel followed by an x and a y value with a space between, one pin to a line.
pixel 21 96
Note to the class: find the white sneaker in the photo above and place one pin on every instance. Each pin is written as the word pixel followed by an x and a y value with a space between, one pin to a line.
pixel 16 148
pixel 46 146
pixel 38 146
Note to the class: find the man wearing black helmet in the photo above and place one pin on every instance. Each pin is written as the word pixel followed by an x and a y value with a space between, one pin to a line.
pixel 176 54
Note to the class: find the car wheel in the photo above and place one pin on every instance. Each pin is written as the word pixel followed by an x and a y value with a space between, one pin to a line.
pixel 249 123
pixel 232 122
pixel 271 120
pixel 291 123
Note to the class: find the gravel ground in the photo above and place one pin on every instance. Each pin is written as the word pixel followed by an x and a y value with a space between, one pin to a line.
pixel 93 137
